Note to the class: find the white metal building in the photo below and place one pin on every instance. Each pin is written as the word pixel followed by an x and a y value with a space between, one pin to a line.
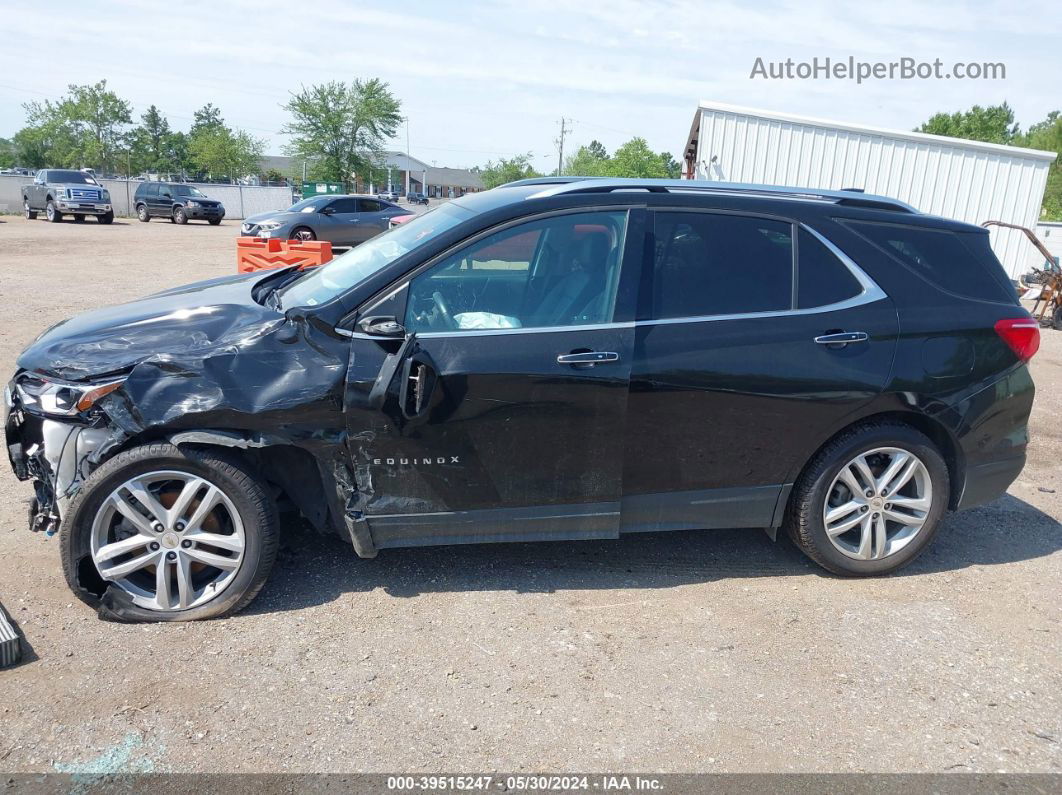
pixel 966 180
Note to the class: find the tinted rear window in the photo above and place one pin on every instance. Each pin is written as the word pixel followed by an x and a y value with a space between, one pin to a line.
pixel 822 279
pixel 961 263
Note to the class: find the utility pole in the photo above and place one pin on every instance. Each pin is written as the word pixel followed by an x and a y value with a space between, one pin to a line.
pixel 408 155
pixel 560 145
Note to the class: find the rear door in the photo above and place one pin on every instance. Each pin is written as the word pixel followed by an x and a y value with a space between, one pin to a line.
pixel 372 218
pixel 151 198
pixel 739 368
pixel 505 417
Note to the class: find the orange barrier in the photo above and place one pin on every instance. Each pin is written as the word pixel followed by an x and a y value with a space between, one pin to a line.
pixel 260 253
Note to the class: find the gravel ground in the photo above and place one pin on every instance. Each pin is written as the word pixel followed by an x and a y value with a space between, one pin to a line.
pixel 713 652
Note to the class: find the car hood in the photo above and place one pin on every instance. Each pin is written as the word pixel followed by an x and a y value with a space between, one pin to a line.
pixel 280 216
pixel 189 320
pixel 78 185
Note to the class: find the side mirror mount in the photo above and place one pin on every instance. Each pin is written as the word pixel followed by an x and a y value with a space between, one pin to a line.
pixel 381 326
pixel 327 211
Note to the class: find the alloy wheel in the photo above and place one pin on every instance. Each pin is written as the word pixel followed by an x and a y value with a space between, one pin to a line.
pixel 171 540
pixel 304 235
pixel 878 503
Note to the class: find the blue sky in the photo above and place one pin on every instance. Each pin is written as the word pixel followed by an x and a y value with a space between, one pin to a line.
pixel 480 80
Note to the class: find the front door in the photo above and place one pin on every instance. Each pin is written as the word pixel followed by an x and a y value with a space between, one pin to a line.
pixel 735 382
pixel 505 416
pixel 340 224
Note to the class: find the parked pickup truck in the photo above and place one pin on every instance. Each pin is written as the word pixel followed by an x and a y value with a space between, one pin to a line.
pixel 57 192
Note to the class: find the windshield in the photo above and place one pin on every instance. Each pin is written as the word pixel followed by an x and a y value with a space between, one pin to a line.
pixel 71 177
pixel 187 190
pixel 309 205
pixel 329 281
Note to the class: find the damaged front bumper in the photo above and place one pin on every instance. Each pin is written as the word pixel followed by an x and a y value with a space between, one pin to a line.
pixel 56 454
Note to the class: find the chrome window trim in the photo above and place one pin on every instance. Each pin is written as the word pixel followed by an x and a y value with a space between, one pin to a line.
pixel 871 293
pixel 492 332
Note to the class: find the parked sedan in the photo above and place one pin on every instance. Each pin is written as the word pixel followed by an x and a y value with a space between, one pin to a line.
pixel 341 220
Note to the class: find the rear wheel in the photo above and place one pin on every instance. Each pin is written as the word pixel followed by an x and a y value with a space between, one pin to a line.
pixel 79 218
pixel 303 233
pixel 179 216
pixel 31 215
pixel 142 213
pixel 181 534
pixel 870 501
pixel 214 221
pixel 51 212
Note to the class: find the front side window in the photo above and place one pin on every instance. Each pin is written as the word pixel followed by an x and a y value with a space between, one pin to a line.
pixel 715 264
pixel 559 271
pixel 187 190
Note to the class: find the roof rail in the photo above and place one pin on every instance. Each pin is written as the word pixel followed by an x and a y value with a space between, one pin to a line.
pixel 849 197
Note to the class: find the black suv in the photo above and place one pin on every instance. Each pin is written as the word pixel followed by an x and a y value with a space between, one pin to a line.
pixel 552 359
pixel 177 201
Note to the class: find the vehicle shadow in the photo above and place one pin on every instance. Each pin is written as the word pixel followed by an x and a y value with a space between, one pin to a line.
pixel 313 570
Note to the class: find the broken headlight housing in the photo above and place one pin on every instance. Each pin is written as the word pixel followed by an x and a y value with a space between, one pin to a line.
pixel 61 398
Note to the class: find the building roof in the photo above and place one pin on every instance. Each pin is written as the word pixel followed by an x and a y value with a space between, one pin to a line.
pixel 292 166
pixel 907 135
pixel 454 177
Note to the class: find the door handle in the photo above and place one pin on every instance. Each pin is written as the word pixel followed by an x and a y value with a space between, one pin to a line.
pixel 588 358
pixel 841 338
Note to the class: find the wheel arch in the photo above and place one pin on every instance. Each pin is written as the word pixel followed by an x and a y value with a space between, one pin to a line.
pixel 936 431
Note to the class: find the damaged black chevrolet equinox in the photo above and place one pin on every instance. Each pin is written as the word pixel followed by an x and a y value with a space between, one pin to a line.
pixel 551 359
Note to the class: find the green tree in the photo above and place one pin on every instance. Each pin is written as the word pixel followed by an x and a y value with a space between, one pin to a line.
pixel 507 170
pixel 635 159
pixel 219 151
pixel 207 117
pixel 7 153
pixel 994 124
pixel 340 129
pixel 87 127
pixel 150 143
pixel 1048 135
pixel 589 161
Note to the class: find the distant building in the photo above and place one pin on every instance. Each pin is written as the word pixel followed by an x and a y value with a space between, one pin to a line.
pixel 449 183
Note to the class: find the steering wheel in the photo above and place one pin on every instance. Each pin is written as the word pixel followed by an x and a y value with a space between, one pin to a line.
pixel 443 310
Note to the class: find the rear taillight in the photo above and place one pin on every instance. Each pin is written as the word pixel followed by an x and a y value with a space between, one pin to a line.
pixel 1022 335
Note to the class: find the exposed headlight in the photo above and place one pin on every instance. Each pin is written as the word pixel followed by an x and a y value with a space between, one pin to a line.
pixel 106 195
pixel 192 204
pixel 61 193
pixel 60 397
pixel 268 226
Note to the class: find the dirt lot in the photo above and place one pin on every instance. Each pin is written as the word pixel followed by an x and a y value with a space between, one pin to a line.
pixel 717 651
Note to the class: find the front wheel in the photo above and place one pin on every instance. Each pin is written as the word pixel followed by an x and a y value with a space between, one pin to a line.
pixel 179 216
pixel 106 218
pixel 31 215
pixel 304 234
pixel 51 212
pixel 870 501
pixel 178 534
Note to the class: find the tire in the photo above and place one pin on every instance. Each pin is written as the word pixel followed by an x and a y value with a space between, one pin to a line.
pixel 303 233
pixel 106 218
pixel 79 219
pixel 31 215
pixel 1056 318
pixel 179 216
pixel 51 212
pixel 243 499
pixel 214 221
pixel 142 213
pixel 822 481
